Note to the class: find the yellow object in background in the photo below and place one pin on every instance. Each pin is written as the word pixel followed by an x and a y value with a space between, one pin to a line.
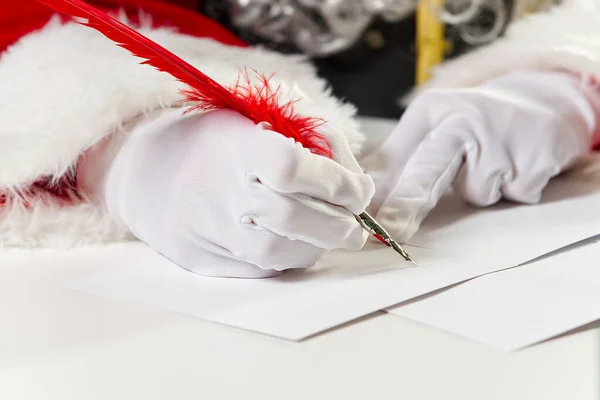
pixel 431 42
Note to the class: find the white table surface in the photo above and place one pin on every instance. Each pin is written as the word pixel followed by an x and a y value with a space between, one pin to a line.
pixel 57 343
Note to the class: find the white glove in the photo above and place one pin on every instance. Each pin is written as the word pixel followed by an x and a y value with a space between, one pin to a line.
pixel 221 196
pixel 504 139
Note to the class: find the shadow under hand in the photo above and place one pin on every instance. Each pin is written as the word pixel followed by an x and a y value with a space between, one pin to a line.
pixel 568 186
pixel 335 265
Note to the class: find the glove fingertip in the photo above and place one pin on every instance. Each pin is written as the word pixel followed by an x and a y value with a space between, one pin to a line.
pixel 401 228
pixel 357 240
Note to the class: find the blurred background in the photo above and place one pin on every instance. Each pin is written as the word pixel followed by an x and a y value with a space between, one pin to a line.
pixel 371 51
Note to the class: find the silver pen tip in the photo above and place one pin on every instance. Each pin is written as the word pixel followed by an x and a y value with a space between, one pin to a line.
pixel 402 252
pixel 370 225
pixel 413 261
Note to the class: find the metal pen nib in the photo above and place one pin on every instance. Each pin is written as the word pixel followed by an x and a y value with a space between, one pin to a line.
pixel 370 225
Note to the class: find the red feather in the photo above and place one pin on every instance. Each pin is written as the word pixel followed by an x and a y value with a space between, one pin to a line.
pixel 259 103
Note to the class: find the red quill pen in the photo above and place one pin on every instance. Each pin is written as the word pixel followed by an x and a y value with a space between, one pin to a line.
pixel 259 103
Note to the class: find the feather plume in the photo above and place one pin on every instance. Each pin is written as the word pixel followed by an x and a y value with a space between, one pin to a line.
pixel 257 102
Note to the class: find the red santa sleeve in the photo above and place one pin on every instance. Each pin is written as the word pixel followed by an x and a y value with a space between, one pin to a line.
pixel 65 87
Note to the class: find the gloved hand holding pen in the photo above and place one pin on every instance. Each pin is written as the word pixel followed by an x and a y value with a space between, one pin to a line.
pixel 222 196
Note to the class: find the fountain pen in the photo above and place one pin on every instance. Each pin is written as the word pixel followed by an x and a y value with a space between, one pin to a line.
pixel 372 226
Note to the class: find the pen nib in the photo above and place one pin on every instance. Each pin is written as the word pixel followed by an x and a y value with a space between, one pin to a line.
pixel 401 251
pixel 372 226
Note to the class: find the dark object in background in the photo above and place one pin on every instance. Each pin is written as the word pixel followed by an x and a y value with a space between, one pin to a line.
pixel 377 71
pixel 371 75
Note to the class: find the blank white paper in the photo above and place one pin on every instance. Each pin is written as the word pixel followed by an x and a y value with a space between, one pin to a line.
pixel 519 307
pixel 515 233
pixel 457 243
pixel 342 287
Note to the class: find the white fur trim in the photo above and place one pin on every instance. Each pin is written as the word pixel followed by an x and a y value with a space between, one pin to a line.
pixel 565 38
pixel 66 87
pixel 52 225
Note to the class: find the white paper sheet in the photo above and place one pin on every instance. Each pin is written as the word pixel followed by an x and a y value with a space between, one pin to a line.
pixel 519 307
pixel 346 286
pixel 515 233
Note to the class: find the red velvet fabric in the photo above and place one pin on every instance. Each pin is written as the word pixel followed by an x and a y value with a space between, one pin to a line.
pixel 20 17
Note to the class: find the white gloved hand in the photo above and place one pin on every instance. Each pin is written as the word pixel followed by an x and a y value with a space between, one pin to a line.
pixel 504 139
pixel 222 196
